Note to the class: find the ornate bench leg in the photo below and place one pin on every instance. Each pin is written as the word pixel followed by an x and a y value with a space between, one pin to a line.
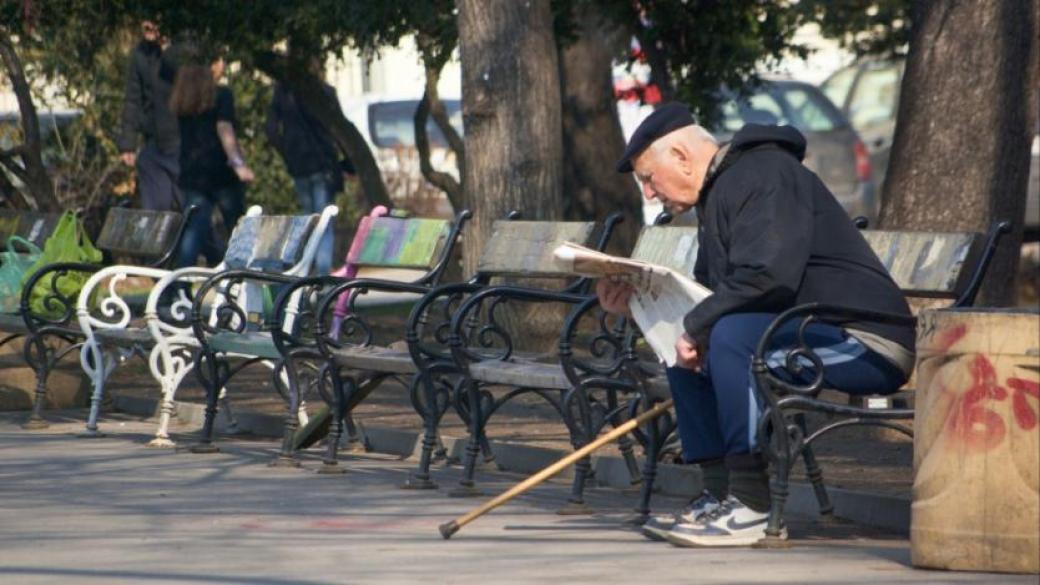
pixel 337 399
pixel 625 443
pixel 40 358
pixel 284 375
pixel 466 487
pixel 812 470
pixel 169 365
pixel 210 374
pixel 582 433
pixel 98 364
pixel 431 412
pixel 655 441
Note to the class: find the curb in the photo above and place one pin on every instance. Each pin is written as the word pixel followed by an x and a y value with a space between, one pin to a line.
pixel 869 509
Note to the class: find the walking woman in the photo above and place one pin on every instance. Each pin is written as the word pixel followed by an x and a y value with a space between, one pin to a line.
pixel 213 171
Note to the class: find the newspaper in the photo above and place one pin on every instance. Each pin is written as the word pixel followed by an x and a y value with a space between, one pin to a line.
pixel 662 296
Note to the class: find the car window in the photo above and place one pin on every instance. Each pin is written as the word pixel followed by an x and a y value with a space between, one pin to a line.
pixel 808 110
pixel 391 123
pixel 758 108
pixel 837 86
pixel 874 99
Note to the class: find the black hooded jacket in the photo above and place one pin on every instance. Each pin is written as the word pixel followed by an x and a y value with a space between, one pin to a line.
pixel 772 236
pixel 146 110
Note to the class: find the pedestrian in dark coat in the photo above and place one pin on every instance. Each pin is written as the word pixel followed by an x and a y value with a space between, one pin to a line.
pixel 146 114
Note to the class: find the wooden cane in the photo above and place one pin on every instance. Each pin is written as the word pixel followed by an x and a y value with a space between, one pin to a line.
pixel 449 528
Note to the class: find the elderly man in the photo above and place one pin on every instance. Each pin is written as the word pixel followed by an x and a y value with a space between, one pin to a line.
pixel 771 237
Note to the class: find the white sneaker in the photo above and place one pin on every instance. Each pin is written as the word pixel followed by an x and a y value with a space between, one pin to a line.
pixel 657 527
pixel 731 524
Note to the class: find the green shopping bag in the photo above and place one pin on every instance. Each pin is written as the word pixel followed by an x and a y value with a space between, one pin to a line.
pixel 68 243
pixel 13 266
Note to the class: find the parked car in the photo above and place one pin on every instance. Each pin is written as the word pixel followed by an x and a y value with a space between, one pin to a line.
pixel 834 151
pixel 867 92
pixel 388 127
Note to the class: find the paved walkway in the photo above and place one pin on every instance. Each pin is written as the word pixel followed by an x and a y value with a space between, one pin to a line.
pixel 112 511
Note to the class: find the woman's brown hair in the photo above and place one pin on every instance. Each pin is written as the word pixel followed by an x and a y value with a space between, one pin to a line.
pixel 194 90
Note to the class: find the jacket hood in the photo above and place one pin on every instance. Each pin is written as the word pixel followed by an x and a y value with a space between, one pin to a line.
pixel 785 137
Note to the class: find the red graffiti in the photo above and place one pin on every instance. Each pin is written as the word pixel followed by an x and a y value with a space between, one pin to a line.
pixel 1025 415
pixel 978 427
pixel 949 336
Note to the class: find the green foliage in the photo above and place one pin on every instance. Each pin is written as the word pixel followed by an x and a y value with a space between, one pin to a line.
pixel 866 27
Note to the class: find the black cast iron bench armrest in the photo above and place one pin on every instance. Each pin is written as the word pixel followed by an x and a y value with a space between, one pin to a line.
pixel 498 294
pixel 54 299
pixel 227 311
pixel 809 313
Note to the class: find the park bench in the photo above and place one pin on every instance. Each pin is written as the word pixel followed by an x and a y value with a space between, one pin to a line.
pixel 149 236
pixel 358 359
pixel 284 244
pixel 484 351
pixel 35 228
pixel 932 269
pixel 415 249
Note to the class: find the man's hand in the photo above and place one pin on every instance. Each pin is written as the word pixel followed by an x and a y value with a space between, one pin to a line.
pixel 688 355
pixel 245 174
pixel 613 296
pixel 129 158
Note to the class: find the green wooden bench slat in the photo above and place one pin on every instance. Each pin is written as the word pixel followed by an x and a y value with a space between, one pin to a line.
pixel 138 232
pixel 674 247
pixel 925 263
pixel 525 248
pixel 392 242
pixel 33 226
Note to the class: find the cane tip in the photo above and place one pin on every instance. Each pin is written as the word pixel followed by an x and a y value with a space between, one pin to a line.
pixel 449 528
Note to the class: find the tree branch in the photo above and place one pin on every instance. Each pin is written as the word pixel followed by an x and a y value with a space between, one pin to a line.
pixel 443 181
pixel 34 174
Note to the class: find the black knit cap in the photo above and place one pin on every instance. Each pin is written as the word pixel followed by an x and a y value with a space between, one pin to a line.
pixel 665 119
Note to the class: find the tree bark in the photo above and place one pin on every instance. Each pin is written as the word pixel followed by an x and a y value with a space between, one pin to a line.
pixel 592 135
pixel 511 111
pixel 960 154
pixel 31 171
pixel 348 138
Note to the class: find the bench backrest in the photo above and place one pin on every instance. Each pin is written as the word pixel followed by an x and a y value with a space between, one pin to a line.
pixel 269 243
pixel 928 264
pixel 674 247
pixel 35 227
pixel 394 242
pixel 525 248
pixel 139 233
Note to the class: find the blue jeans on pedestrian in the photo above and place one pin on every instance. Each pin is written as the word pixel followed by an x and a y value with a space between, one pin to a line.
pixel 315 192
pixel 198 234
pixel 717 409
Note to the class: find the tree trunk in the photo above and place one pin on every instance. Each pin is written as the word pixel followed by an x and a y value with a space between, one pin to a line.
pixel 960 154
pixel 30 171
pixel 348 139
pixel 431 104
pixel 511 112
pixel 592 136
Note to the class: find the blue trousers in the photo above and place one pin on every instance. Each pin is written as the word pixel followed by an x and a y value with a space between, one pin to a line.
pixel 198 235
pixel 315 192
pixel 717 409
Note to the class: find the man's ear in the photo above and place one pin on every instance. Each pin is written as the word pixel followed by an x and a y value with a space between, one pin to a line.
pixel 682 157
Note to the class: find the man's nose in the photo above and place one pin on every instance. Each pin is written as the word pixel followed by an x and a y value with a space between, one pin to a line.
pixel 648 191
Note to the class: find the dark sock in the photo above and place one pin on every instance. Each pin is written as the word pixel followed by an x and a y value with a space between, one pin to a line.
pixel 715 477
pixel 749 481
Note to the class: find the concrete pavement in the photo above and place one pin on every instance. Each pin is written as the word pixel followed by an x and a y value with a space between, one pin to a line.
pixel 113 511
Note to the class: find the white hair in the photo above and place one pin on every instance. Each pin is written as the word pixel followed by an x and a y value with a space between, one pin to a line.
pixel 694 133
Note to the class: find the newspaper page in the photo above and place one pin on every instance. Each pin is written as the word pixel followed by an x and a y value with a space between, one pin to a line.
pixel 662 296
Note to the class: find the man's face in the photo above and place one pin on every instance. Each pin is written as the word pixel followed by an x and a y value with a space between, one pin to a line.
pixel 668 176
pixel 149 31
